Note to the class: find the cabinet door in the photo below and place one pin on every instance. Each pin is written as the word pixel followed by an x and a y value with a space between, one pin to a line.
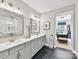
pixel 39 44
pixel 43 42
pixel 34 47
pixel 13 56
pixel 22 53
pixel 3 54
pixel 27 51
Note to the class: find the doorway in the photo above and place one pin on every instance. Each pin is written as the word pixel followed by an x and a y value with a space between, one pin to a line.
pixel 64 30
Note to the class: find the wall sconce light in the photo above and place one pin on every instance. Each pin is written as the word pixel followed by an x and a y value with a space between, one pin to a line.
pixel 35 18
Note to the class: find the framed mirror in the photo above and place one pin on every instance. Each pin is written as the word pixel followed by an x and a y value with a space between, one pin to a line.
pixel 35 26
pixel 11 26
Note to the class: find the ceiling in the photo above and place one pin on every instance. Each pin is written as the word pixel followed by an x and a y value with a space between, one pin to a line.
pixel 42 6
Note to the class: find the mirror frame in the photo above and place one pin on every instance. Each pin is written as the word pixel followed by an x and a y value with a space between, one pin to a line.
pixel 7 36
pixel 37 32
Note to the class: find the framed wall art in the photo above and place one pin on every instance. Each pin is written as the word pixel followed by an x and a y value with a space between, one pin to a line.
pixel 46 26
pixel 34 26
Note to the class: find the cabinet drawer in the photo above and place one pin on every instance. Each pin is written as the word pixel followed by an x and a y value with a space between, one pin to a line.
pixel 3 54
pixel 17 48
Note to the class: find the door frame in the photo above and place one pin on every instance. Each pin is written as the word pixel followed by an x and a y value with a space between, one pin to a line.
pixel 63 13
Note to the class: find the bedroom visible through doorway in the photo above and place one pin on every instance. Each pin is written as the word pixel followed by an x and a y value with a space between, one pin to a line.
pixel 64 30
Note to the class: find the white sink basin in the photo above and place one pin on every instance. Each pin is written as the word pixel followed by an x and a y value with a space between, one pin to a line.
pixel 10 42
pixel 15 41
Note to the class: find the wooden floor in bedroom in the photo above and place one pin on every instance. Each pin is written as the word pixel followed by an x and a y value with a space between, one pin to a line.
pixel 62 44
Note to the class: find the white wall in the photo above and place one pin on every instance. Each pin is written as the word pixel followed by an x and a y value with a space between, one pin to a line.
pixel 76 27
pixel 46 18
pixel 50 16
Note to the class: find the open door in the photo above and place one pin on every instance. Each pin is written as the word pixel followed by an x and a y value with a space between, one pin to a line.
pixel 64 30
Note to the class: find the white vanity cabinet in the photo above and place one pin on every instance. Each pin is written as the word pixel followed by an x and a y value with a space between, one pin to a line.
pixel 21 54
pixel 16 55
pixel 36 45
pixel 28 50
pixel 17 52
pixel 24 50
pixel 13 56
pixel 40 43
pixel 3 54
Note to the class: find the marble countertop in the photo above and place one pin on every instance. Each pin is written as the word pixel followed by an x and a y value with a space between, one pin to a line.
pixel 7 45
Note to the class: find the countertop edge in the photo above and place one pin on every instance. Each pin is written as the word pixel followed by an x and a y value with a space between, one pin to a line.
pixel 25 40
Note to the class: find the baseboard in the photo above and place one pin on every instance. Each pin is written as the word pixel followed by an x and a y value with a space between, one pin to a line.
pixel 46 45
pixel 75 53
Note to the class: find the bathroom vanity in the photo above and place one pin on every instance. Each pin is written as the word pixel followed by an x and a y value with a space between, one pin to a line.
pixel 22 48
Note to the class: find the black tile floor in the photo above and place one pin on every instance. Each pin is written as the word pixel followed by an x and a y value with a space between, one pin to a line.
pixel 56 53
